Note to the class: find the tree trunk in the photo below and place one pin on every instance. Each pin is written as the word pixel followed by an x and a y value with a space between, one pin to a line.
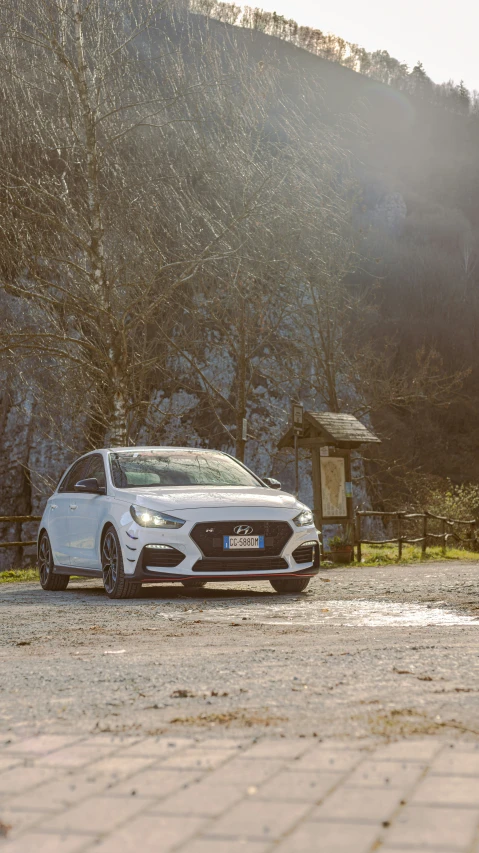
pixel 241 385
pixel 23 505
pixel 119 413
pixel 97 259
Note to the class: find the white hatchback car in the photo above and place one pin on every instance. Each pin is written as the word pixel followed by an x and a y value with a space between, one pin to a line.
pixel 161 514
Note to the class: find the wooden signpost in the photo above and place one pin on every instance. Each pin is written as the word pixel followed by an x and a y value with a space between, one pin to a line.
pixel 298 420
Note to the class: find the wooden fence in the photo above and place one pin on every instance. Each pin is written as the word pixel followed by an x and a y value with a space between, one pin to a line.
pixel 18 521
pixel 401 518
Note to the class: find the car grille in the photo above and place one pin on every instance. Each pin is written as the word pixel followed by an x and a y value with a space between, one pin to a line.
pixel 250 564
pixel 209 538
pixel 161 558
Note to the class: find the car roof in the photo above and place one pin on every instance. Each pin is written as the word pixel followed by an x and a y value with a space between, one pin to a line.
pixel 135 449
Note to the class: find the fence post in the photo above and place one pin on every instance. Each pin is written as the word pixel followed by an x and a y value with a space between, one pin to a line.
pixel 443 534
pixel 424 534
pixel 399 536
pixel 358 535
pixel 472 536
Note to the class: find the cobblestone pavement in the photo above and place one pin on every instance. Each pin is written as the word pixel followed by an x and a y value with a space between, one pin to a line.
pixel 114 794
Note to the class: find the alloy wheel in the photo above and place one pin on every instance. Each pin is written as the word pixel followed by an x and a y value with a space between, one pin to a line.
pixel 44 559
pixel 109 562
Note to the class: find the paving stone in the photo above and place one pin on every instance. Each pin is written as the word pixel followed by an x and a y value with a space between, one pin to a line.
pixel 95 815
pixel 115 768
pixel 39 842
pixel 409 750
pixel 158 747
pixel 363 744
pixel 22 778
pixel 258 819
pixel 20 820
pixel 457 763
pixel 240 772
pixel 390 774
pixel 202 799
pixel 330 838
pixel 287 749
pixel 224 743
pixel 9 761
pixel 41 744
pixel 117 741
pixel 328 759
pixel 199 759
pixel 447 790
pixel 72 787
pixel 154 783
pixel 304 786
pixel 229 845
pixel 430 826
pixel 150 834
pixel 7 740
pixel 463 746
pixel 75 756
pixel 395 849
pixel 358 804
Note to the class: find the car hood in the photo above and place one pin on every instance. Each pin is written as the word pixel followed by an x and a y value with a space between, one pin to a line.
pixel 172 500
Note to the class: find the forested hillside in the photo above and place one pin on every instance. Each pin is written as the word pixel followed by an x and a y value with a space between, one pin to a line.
pixel 199 222
pixel 378 64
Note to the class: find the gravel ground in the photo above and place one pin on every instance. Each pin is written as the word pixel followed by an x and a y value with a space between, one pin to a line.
pixel 366 653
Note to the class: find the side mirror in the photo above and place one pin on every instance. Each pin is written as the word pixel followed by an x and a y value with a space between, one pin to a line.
pixel 272 483
pixel 90 487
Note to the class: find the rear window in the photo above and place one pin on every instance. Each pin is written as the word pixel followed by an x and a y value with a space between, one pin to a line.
pixel 147 469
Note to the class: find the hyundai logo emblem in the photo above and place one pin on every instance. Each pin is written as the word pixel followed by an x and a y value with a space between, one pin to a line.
pixel 243 530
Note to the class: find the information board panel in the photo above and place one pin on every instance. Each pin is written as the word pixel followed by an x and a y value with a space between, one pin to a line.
pixel 333 487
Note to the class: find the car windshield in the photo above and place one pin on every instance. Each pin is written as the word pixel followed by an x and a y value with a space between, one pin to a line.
pixel 149 468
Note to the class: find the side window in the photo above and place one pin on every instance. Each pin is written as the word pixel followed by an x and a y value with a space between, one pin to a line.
pixel 97 469
pixel 78 472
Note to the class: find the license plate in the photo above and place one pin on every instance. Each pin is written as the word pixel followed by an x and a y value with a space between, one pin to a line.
pixel 236 543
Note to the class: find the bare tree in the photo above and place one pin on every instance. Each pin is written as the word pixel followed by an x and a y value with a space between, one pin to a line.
pixel 120 191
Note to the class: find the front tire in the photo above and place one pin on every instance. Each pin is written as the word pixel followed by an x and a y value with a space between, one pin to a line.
pixel 49 581
pixel 289 586
pixel 194 583
pixel 115 582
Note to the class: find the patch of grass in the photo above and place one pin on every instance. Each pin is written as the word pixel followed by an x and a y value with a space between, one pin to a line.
pixel 23 575
pixel 19 575
pixel 384 555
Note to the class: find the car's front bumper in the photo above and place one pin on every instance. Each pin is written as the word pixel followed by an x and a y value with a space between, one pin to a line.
pixel 159 556
pixel 168 576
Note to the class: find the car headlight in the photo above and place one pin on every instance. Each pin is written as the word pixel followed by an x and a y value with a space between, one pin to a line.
pixel 149 518
pixel 304 519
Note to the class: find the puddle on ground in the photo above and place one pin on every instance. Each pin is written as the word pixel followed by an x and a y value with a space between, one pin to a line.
pixel 347 614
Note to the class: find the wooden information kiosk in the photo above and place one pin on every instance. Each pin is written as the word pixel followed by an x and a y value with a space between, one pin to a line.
pixel 331 437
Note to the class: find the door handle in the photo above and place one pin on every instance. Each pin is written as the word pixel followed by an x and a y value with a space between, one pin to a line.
pixel 73 506
pixel 53 506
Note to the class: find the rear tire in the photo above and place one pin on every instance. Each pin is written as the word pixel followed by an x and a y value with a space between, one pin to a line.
pixel 288 586
pixel 115 582
pixel 194 584
pixel 49 581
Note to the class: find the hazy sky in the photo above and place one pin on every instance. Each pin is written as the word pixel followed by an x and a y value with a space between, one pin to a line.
pixel 443 35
